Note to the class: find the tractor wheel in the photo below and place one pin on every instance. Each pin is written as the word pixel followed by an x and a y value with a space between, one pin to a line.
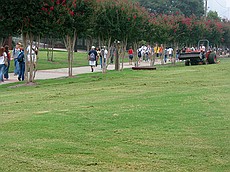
pixel 187 63
pixel 212 58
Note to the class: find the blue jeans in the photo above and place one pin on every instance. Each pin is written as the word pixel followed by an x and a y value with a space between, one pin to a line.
pixel 16 67
pixel 21 71
pixel 2 69
pixel 165 59
pixel 101 62
pixel 6 72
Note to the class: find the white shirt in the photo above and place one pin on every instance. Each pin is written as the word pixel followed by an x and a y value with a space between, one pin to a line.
pixel 2 58
pixel 170 50
pixel 31 50
pixel 105 53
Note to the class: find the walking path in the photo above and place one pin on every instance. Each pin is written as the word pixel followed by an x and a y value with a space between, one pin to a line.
pixel 63 72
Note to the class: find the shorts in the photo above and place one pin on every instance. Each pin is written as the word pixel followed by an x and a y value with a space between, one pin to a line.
pixel 131 57
pixel 92 63
pixel 33 57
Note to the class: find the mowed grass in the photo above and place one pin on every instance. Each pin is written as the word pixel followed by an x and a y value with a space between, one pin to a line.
pixel 171 119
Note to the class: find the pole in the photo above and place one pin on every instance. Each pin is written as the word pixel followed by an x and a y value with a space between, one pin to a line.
pixel 206 8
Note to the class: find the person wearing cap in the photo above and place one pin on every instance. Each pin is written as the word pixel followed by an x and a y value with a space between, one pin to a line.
pixel 92 57
pixel 15 54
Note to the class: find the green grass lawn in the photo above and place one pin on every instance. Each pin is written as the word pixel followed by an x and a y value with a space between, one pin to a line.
pixel 173 119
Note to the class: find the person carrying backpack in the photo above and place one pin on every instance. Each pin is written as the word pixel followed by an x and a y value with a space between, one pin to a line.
pixel 15 54
pixel 21 61
pixel 92 57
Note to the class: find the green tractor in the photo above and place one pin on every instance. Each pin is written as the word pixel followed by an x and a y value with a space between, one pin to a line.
pixel 202 56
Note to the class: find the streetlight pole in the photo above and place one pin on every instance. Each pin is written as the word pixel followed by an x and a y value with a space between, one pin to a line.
pixel 206 9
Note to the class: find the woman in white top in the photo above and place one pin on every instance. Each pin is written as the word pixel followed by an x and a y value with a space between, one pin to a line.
pixel 3 58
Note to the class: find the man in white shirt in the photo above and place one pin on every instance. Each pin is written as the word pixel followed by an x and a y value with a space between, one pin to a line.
pixel 170 52
pixel 32 51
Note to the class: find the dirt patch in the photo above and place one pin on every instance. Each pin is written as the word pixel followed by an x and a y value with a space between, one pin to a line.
pixel 24 85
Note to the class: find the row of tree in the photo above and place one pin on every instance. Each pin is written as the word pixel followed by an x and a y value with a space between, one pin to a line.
pixel 106 20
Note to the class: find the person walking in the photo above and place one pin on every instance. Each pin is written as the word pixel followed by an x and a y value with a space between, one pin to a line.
pixel 161 49
pixel 170 52
pixel 32 52
pixel 92 57
pixel 7 65
pixel 15 54
pixel 130 52
pixel 98 55
pixel 3 60
pixel 21 62
pixel 112 51
pixel 165 55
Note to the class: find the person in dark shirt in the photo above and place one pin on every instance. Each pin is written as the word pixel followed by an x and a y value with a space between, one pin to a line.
pixel 92 56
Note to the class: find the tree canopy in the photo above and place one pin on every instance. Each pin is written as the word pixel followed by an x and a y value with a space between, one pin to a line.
pixel 186 7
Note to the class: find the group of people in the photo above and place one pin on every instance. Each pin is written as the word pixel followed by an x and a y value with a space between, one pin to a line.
pixel 144 53
pixel 95 54
pixel 147 53
pixel 19 60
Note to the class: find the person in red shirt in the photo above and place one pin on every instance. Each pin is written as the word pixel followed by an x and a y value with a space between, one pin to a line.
pixel 130 52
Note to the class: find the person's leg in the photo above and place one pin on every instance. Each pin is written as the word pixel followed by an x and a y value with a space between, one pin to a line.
pixel 23 71
pixel 6 74
pixel 15 66
pixel 20 72
pixel 1 72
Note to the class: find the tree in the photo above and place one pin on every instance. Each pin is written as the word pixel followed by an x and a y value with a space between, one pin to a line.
pixel 120 20
pixel 69 18
pixel 24 18
pixel 186 7
pixel 213 15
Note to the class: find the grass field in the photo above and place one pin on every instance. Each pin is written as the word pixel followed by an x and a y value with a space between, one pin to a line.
pixel 173 119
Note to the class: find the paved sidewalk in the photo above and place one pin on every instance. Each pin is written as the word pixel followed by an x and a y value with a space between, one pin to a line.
pixel 63 72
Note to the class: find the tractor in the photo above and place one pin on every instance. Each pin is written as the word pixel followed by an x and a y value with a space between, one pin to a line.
pixel 202 56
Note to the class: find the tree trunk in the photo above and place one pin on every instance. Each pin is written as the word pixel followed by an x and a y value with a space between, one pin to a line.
pixel 52 50
pixel 124 45
pixel 24 40
pixel 117 61
pixel 69 44
pixel 31 58
pixel 108 55
pixel 38 41
pixel 136 58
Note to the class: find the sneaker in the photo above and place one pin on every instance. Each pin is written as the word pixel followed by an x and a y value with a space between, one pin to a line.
pixel 19 79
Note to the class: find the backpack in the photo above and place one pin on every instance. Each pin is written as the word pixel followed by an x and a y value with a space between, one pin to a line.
pixel 139 53
pixel 92 57
pixel 21 57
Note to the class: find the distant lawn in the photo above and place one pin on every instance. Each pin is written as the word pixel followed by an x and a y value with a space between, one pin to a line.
pixel 173 119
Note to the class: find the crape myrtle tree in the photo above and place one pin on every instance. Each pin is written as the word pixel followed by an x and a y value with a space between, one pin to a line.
pixel 226 33
pixel 24 17
pixel 184 30
pixel 120 20
pixel 69 18
pixel 6 24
